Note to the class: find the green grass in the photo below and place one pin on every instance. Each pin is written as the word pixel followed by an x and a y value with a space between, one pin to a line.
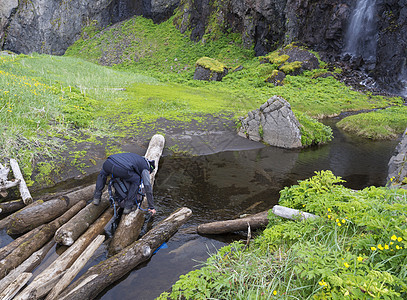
pixel 71 97
pixel 381 124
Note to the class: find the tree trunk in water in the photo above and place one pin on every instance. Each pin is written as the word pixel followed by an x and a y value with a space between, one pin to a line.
pixel 99 277
pixel 15 286
pixel 24 192
pixel 255 221
pixel 5 221
pixel 27 266
pixel 71 231
pixel 40 286
pixel 23 251
pixel 9 207
pixel 291 213
pixel 33 216
pixel 130 225
pixel 6 250
pixel 75 268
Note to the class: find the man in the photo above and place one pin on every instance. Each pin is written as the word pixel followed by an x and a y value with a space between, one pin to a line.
pixel 131 168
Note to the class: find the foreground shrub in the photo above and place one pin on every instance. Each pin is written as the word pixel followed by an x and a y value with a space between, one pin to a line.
pixel 356 249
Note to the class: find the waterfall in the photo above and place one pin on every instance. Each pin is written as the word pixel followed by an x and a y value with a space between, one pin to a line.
pixel 361 36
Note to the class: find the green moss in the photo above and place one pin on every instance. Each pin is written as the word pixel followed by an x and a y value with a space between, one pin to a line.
pixel 276 58
pixel 211 64
pixel 291 67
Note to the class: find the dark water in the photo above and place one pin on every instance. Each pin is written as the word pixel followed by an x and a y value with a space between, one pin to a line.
pixel 224 185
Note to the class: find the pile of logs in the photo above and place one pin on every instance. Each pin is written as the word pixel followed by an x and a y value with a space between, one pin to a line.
pixel 72 221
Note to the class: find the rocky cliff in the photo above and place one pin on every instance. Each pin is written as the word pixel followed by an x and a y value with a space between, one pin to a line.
pixel 50 26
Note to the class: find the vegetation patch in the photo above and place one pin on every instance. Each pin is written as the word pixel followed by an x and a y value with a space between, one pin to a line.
pixel 380 124
pixel 356 249
pixel 211 64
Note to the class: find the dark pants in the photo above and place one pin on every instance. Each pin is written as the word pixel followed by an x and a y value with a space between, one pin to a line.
pixel 109 168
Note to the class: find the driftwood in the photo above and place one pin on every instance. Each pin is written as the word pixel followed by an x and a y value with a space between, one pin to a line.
pixel 130 225
pixel 255 221
pixel 291 213
pixel 70 232
pixel 33 216
pixel 6 250
pixel 23 251
pixel 75 268
pixel 27 266
pixel 5 221
pixel 99 277
pixel 40 286
pixel 9 207
pixel 4 182
pixel 15 286
pixel 24 192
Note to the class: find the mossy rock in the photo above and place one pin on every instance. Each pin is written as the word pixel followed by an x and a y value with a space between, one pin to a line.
pixel 296 54
pixel 274 58
pixel 276 77
pixel 209 69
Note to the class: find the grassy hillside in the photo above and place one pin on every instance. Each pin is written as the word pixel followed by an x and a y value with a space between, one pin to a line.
pixel 52 104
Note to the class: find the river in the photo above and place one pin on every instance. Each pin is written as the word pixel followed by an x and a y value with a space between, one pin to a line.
pixel 227 184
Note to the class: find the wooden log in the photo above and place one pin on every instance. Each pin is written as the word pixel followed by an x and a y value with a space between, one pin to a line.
pixel 15 286
pixel 71 231
pixel 130 225
pixel 27 266
pixel 40 285
pixel 5 221
pixel 75 268
pixel 99 277
pixel 6 250
pixel 24 192
pixel 43 289
pixel 255 221
pixel 4 182
pixel 33 216
pixel 23 251
pixel 9 207
pixel 290 213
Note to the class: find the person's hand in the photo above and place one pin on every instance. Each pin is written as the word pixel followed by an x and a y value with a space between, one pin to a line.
pixel 152 211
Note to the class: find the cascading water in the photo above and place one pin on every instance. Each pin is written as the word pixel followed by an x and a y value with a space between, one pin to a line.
pixel 361 37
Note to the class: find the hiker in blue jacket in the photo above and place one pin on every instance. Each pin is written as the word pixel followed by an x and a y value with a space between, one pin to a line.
pixel 132 168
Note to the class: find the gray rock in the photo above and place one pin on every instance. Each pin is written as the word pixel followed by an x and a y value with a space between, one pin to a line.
pixel 51 26
pixel 398 163
pixel 274 124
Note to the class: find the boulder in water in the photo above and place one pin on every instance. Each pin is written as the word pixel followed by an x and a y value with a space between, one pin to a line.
pixel 274 123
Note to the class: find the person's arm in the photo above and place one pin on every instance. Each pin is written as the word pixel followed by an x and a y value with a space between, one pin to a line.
pixel 145 175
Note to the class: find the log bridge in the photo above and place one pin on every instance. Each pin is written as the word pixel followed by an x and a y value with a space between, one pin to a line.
pixel 72 221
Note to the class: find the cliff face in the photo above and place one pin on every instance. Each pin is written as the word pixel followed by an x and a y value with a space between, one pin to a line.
pixel 50 26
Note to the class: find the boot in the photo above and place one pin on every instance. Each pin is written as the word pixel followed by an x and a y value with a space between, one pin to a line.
pixel 96 199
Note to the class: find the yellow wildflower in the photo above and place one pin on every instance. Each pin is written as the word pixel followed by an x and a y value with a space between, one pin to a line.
pixel 329 209
pixel 373 248
pixel 274 292
pixel 380 247
pixel 386 246
pixel 339 224
pixel 393 237
pixel 397 247
pixel 346 265
pixel 343 221
pixel 360 258
pixel 399 239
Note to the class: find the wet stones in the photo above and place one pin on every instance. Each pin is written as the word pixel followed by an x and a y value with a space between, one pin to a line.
pixel 273 123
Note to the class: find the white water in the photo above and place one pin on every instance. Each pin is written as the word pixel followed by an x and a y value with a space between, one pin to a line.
pixel 361 37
